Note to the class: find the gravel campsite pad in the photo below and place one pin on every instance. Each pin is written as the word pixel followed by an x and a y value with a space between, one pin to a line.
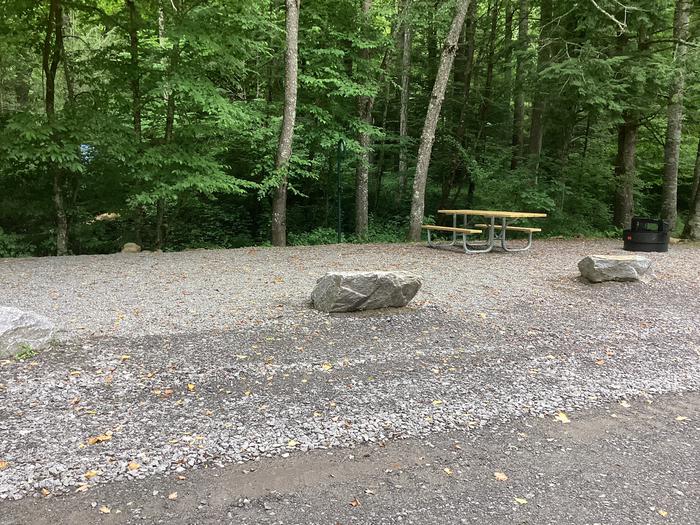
pixel 175 361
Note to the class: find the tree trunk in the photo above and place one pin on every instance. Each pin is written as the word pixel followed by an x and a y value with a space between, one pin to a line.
pixel 625 171
pixel 692 226
pixel 406 48
pixel 431 119
pixel 539 103
pixel 485 105
pixel 675 114
pixel 508 53
pixel 365 105
pixel 382 154
pixel 284 146
pixel 135 75
pixel 168 139
pixel 519 103
pixel 51 57
pixel 457 167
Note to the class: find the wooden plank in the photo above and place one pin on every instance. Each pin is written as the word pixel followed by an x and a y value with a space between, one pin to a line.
pixel 496 213
pixel 448 229
pixel 514 228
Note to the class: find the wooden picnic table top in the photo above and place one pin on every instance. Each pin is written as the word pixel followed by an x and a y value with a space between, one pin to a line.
pixel 496 213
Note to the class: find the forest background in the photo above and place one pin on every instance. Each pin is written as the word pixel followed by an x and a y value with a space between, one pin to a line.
pixel 159 121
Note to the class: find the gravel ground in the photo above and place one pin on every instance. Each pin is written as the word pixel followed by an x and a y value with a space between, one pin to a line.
pixel 173 362
pixel 616 464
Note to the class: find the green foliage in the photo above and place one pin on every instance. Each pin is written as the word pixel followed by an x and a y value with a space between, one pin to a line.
pixel 211 168
pixel 26 352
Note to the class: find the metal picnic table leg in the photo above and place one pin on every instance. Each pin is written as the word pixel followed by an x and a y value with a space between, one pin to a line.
pixel 504 244
pixel 489 243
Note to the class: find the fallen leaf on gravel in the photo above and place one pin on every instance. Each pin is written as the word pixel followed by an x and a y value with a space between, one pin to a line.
pixel 3 464
pixel 663 512
pixel 561 416
pixel 500 476
pixel 99 439
pixel 125 357
pixel 437 402
pixel 369 491
pixel 191 387
pixel 448 471
pixel 600 362
pixel 75 373
pixel 241 356
pixel 46 492
pixel 91 474
pixel 681 418
pixel 247 393
pixel 149 375
pixel 355 502
pixel 105 509
pixel 181 478
pixel 292 443
pixel 327 366
pixel 625 404
pixel 83 488
pixel 521 501
pixel 133 466
pixel 172 496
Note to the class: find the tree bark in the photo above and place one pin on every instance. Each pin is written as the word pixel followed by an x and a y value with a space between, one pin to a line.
pixel 51 57
pixel 625 171
pixel 508 53
pixel 692 226
pixel 457 168
pixel 539 103
pixel 406 49
pixel 135 75
pixel 675 114
pixel 485 105
pixel 365 105
pixel 284 146
pixel 431 119
pixel 519 103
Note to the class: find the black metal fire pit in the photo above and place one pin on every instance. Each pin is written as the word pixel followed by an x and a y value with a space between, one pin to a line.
pixel 646 235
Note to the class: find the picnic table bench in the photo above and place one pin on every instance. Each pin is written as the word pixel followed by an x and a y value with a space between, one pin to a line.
pixel 495 232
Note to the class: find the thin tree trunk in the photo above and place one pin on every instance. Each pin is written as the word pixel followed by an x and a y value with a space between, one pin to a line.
pixel 365 105
pixel 692 226
pixel 625 171
pixel 485 105
pixel 382 154
pixel 135 74
pixel 519 104
pixel 284 146
pixel 508 54
pixel 406 49
pixel 539 102
pixel 431 119
pixel 457 165
pixel 51 58
pixel 675 114
pixel 168 139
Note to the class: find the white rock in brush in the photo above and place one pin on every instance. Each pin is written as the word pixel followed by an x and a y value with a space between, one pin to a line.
pixel 599 268
pixel 352 291
pixel 20 329
pixel 131 247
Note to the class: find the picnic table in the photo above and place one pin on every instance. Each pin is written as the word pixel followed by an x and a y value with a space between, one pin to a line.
pixel 495 232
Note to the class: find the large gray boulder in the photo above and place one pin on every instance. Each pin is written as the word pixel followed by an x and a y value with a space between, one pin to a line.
pixel 351 291
pixel 599 268
pixel 19 329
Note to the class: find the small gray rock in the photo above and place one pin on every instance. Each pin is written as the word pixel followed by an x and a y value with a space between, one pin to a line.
pixel 599 268
pixel 19 328
pixel 131 247
pixel 352 291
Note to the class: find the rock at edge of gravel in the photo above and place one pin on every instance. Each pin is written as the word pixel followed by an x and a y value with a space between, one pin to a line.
pixel 354 291
pixel 622 268
pixel 19 328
